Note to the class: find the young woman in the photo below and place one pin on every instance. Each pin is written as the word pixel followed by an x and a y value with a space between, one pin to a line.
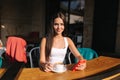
pixel 54 46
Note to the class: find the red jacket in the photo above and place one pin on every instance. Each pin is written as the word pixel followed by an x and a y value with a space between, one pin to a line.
pixel 16 48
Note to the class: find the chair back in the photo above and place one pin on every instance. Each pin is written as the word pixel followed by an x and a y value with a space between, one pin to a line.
pixel 0 62
pixel 16 49
pixel 33 54
pixel 2 51
pixel 87 54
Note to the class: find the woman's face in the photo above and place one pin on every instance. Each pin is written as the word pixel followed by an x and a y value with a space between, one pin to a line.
pixel 58 25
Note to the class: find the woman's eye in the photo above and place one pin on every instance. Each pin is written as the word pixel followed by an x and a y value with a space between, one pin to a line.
pixel 61 24
pixel 56 24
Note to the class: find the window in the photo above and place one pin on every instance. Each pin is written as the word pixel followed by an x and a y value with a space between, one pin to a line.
pixel 74 10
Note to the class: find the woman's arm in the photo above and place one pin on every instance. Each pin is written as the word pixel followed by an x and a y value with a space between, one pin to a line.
pixel 43 63
pixel 74 50
pixel 42 51
pixel 77 54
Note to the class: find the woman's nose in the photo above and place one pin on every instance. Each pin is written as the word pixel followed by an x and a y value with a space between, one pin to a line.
pixel 59 26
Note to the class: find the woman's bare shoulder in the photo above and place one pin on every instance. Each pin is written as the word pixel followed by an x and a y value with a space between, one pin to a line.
pixel 43 39
pixel 69 39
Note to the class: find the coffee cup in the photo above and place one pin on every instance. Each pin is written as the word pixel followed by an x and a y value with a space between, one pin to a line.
pixel 59 67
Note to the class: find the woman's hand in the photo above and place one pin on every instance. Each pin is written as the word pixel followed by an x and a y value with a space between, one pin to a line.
pixel 81 65
pixel 48 67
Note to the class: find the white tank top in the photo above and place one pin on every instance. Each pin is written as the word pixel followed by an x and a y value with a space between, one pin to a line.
pixel 57 55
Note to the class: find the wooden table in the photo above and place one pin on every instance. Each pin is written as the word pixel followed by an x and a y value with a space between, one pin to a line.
pixel 94 66
pixel 2 71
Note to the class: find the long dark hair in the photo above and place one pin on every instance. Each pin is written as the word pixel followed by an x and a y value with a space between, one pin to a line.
pixel 51 33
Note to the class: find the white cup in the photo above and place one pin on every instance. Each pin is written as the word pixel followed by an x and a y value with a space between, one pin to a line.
pixel 59 67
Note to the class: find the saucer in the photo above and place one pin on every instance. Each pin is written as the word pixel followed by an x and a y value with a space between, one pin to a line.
pixel 59 71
